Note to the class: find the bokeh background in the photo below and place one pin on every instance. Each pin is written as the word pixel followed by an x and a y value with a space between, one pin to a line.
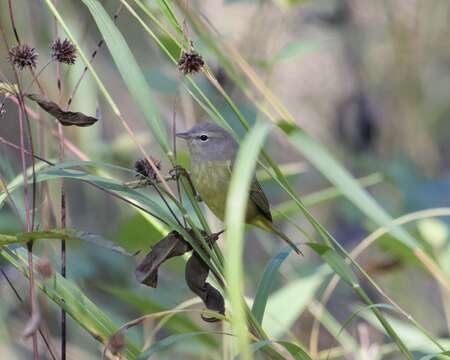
pixel 369 79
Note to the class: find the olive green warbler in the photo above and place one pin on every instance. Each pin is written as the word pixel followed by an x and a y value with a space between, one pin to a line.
pixel 213 152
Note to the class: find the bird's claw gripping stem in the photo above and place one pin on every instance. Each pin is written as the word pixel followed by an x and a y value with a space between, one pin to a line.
pixel 178 171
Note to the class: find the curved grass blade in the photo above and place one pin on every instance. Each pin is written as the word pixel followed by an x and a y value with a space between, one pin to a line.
pixel 236 207
pixel 336 262
pixel 130 71
pixel 63 234
pixel 170 16
pixel 265 284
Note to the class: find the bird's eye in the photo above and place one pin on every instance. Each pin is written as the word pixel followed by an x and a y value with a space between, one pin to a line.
pixel 203 137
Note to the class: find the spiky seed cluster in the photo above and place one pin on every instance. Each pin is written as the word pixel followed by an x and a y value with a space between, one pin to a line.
pixel 190 62
pixel 64 51
pixel 144 170
pixel 22 56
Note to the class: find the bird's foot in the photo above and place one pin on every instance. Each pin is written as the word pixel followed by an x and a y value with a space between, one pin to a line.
pixel 178 171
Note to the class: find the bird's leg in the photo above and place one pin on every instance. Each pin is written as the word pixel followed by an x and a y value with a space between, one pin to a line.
pixel 211 239
pixel 178 171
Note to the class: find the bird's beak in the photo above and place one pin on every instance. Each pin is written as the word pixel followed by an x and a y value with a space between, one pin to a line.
pixel 183 135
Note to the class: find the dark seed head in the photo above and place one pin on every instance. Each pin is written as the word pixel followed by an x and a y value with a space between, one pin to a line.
pixel 144 170
pixel 22 56
pixel 190 62
pixel 64 51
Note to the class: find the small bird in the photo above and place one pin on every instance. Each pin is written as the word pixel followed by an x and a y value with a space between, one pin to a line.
pixel 213 152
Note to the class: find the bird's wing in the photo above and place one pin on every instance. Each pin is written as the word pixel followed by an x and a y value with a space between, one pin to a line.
pixel 259 199
pixel 257 196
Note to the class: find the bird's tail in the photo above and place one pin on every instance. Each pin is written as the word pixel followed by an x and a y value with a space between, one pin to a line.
pixel 267 225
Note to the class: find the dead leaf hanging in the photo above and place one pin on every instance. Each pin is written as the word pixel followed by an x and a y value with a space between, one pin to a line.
pixel 66 118
pixel 170 246
pixel 196 270
pixel 196 274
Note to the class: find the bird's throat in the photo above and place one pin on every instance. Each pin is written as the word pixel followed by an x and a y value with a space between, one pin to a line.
pixel 211 179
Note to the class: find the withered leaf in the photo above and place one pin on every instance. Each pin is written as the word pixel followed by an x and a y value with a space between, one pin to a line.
pixel 196 271
pixel 66 118
pixel 170 246
pixel 196 274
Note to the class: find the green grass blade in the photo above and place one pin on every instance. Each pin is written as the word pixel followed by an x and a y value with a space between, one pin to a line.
pixel 62 234
pixel 167 10
pixel 265 284
pixel 236 207
pixel 336 263
pixel 129 70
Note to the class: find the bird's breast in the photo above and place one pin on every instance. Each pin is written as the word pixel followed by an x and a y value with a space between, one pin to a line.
pixel 211 179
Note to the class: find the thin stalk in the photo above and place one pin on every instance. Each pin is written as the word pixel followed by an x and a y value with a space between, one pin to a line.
pixel 29 226
pixel 106 94
pixel 174 140
pixel 93 55
pixel 16 293
pixel 63 252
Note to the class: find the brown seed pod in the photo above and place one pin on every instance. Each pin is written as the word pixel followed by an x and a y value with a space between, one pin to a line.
pixel 22 56
pixel 190 62
pixel 64 51
pixel 144 170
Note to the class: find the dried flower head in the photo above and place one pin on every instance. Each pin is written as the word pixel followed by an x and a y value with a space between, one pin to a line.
pixel 190 62
pixel 144 170
pixel 64 51
pixel 22 56
pixel 45 268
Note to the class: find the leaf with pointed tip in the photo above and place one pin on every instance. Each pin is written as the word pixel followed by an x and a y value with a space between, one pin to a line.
pixel 265 284
pixel 63 234
pixel 66 118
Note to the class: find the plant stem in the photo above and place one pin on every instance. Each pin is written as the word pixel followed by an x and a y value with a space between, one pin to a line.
pixel 63 253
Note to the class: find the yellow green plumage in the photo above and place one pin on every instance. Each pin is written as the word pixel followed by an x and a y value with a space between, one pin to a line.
pixel 213 152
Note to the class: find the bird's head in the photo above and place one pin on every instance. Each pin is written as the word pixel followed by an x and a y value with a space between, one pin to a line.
pixel 209 142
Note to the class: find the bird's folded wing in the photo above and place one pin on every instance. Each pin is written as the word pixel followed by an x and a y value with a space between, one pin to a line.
pixel 257 196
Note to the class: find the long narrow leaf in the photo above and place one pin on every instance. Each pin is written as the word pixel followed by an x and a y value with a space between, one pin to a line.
pixel 129 69
pixel 235 224
pixel 266 282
